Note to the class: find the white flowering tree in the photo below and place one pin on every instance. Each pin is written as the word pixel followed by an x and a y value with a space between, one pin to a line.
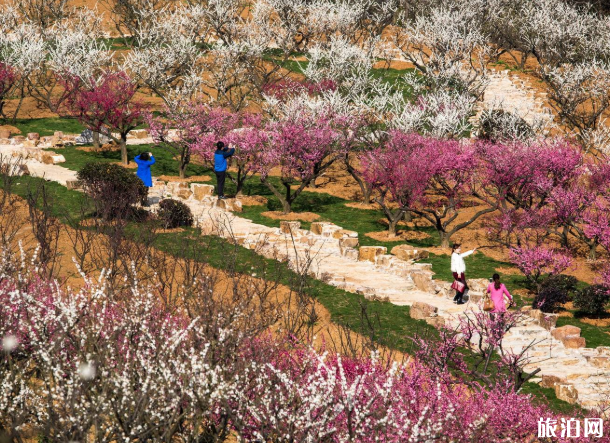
pixel 580 94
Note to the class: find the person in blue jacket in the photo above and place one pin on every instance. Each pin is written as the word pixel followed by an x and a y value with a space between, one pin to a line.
pixel 144 161
pixel 220 167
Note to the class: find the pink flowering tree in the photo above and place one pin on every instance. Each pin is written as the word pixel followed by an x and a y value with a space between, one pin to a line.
pixel 243 131
pixel 536 261
pixel 426 176
pixel 8 78
pixel 106 105
pixel 520 175
pixel 360 133
pixel 183 128
pixel 195 128
pixel 301 148
pixel 535 188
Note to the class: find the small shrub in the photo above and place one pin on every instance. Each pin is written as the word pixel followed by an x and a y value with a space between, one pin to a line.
pixel 114 188
pixel 554 291
pixel 174 214
pixel 497 125
pixel 592 300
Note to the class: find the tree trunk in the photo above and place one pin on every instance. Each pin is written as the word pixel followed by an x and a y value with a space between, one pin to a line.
pixel 392 226
pixel 239 188
pixel 445 236
pixel 593 250
pixel 408 217
pixel 287 207
pixel 96 139
pixel 123 145
pixel 286 202
pixel 182 170
pixel 365 188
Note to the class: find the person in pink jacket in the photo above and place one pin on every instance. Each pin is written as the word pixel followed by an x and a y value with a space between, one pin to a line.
pixel 497 291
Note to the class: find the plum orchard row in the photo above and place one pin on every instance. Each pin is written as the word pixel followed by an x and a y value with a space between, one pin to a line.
pixel 234 52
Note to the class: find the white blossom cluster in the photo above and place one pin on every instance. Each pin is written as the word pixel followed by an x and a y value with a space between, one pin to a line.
pixel 118 367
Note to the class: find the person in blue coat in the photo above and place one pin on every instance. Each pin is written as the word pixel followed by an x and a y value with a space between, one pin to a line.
pixel 220 166
pixel 144 161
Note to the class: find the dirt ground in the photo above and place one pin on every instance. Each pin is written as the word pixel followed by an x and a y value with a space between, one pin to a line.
pixel 293 216
pixel 326 334
pixel 384 236
pixel 175 178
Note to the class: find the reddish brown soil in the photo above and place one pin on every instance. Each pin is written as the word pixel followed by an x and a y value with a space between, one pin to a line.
pixel 384 236
pixel 293 216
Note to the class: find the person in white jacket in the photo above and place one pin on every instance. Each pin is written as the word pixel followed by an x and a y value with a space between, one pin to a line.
pixel 458 268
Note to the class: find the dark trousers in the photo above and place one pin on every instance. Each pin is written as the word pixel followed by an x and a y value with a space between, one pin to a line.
pixel 462 278
pixel 220 181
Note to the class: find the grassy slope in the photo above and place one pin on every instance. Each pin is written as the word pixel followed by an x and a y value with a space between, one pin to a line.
pixel 334 209
pixel 394 324
pixel 47 126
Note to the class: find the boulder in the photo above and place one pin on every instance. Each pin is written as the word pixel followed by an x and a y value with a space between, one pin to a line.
pixel 308 240
pixel 436 322
pixel 549 381
pixel 7 130
pixel 350 253
pixel 478 284
pixel 184 194
pixel 23 170
pixel 200 191
pixel 29 143
pixel 56 142
pixel 564 332
pixel 423 266
pixel 408 252
pixel 330 229
pixel 174 187
pixel 229 204
pixel 317 227
pixel 603 350
pixel 50 158
pixel 475 297
pixel 58 134
pixel 290 227
pixel 599 361
pixel 348 242
pixel 547 321
pixel 370 253
pixel 33 136
pixel 384 260
pixel 574 342
pixel 17 140
pixel 423 281
pixel 74 184
pixel 344 233
pixel 139 133
pixel 420 310
pixel 566 392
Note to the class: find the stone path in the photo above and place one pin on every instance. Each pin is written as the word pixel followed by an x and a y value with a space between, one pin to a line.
pixel 329 253
pixel 513 94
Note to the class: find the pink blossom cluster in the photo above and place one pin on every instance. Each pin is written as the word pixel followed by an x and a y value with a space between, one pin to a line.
pixel 538 260
pixel 124 367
